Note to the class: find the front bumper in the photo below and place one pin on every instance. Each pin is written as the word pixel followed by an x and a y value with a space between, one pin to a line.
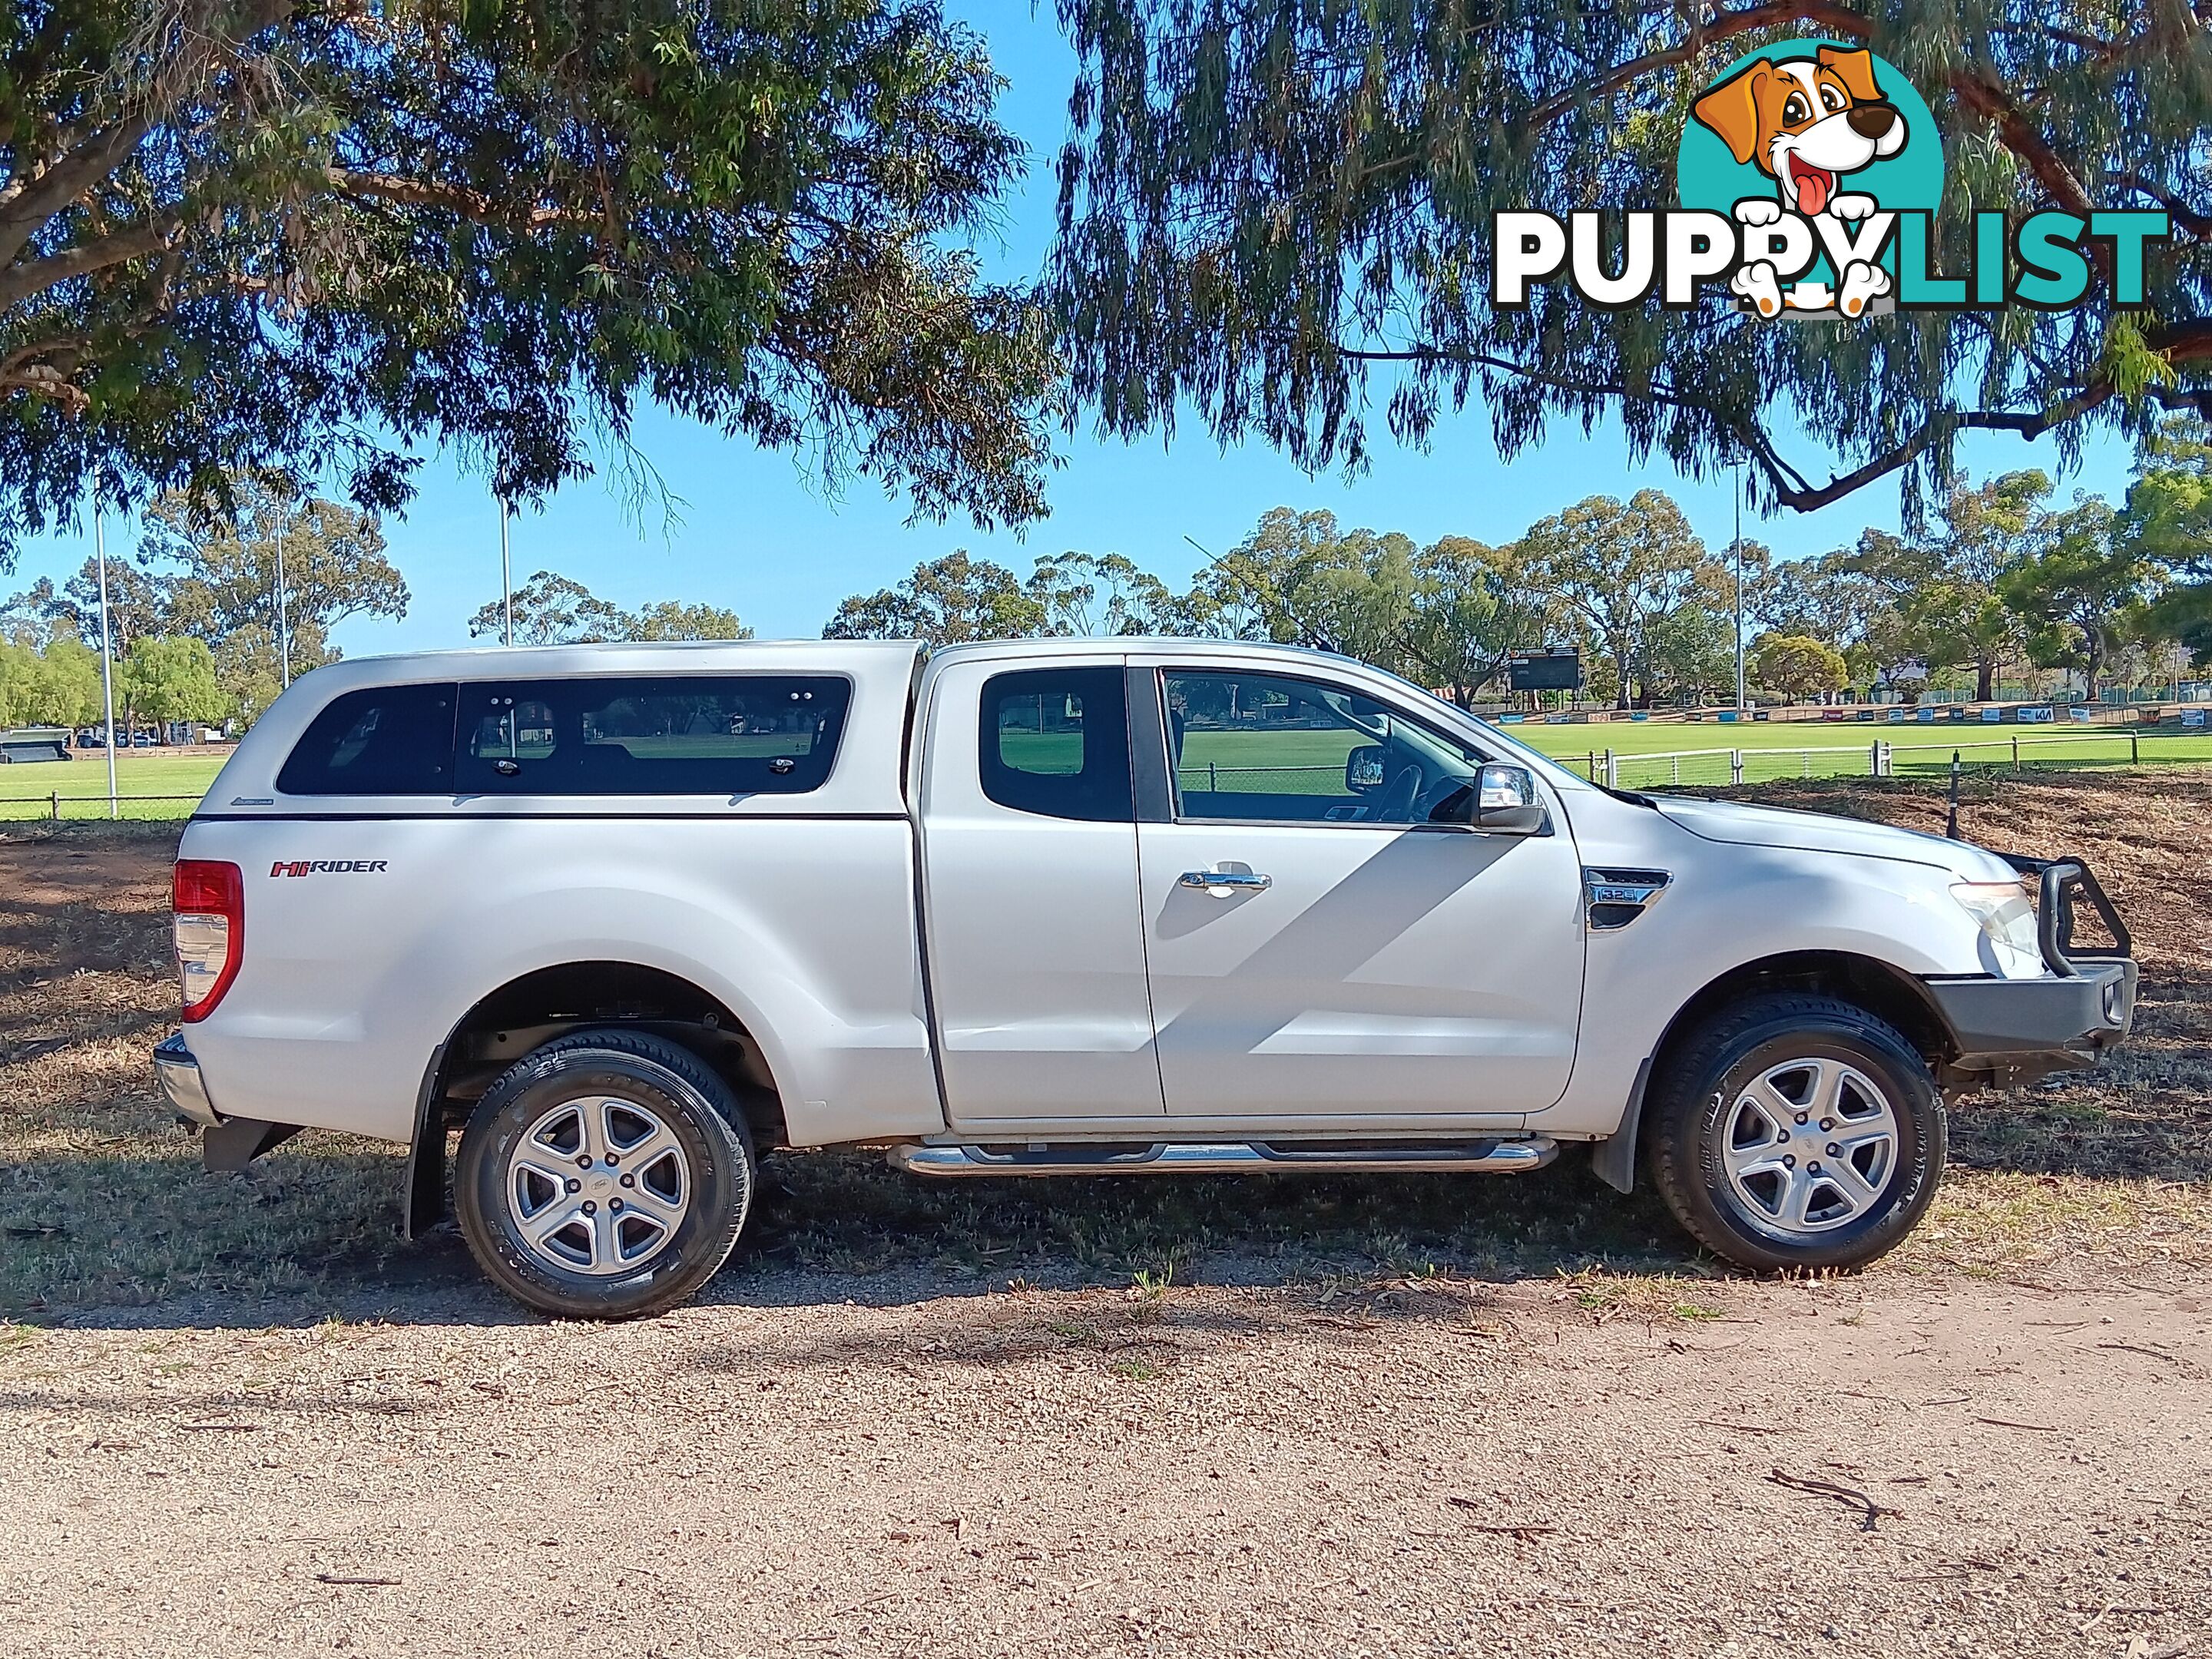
pixel 177 1076
pixel 2015 1031
pixel 2021 1029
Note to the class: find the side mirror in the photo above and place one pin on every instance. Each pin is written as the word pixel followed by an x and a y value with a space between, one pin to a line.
pixel 1363 768
pixel 1506 802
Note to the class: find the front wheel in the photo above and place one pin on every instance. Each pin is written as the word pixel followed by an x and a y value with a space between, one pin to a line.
pixel 604 1176
pixel 1797 1132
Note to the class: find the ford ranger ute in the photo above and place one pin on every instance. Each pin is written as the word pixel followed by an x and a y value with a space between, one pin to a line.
pixel 628 916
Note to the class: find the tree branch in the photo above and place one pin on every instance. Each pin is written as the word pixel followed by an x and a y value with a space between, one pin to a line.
pixel 31 200
pixel 2017 132
pixel 2198 225
pixel 1722 26
pixel 21 370
pixel 23 281
pixel 470 205
pixel 2024 139
pixel 2183 343
pixel 43 195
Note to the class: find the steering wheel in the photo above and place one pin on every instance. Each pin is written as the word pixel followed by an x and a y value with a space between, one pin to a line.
pixel 1399 795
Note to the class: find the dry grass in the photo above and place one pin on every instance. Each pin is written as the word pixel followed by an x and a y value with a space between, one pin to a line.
pixel 2107 1168
pixel 2085 1177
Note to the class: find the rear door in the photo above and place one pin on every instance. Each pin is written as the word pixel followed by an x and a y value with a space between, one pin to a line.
pixel 1319 945
pixel 1035 947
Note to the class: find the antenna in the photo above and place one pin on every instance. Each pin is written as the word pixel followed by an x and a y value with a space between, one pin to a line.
pixel 1312 638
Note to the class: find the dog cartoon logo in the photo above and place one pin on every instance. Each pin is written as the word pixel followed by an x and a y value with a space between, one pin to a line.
pixel 1821 132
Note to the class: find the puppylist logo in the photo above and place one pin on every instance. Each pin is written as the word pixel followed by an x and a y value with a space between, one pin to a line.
pixel 1810 173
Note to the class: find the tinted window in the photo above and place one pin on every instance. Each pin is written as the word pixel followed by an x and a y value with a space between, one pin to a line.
pixel 692 735
pixel 1270 748
pixel 388 740
pixel 1056 741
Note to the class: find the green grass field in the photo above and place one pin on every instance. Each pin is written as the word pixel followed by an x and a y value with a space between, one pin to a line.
pixel 1794 750
pixel 81 783
pixel 1771 752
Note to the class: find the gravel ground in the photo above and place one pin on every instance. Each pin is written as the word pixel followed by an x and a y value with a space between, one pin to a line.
pixel 1433 1467
pixel 1334 1418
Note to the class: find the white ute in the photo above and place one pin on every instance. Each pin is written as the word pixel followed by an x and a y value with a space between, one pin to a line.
pixel 628 916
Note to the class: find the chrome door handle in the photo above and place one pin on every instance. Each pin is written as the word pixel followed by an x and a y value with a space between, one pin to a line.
pixel 1222 883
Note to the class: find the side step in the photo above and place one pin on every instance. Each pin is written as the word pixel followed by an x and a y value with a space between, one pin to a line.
pixel 1489 1156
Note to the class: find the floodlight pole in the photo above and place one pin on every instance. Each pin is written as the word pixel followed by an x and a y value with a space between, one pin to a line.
pixel 107 658
pixel 506 573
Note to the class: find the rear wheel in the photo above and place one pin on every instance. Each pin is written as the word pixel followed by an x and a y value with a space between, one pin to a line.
pixel 1797 1132
pixel 604 1176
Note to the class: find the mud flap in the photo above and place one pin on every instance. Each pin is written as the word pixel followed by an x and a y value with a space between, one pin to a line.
pixel 1613 1160
pixel 422 1200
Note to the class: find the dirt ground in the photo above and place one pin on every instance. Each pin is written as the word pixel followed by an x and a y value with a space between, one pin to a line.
pixel 1325 1417
pixel 878 1467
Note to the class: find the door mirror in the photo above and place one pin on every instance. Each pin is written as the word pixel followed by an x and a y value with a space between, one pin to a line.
pixel 1506 802
pixel 1364 767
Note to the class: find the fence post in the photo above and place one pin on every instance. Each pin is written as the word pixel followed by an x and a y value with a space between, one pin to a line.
pixel 54 806
pixel 2015 754
pixel 1212 783
pixel 1876 763
pixel 2134 748
pixel 1735 766
pixel 1612 770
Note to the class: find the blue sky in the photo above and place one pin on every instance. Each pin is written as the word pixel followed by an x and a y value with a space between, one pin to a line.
pixel 754 534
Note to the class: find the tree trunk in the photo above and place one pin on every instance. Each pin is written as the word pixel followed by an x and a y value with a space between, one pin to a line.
pixel 1620 699
pixel 1985 681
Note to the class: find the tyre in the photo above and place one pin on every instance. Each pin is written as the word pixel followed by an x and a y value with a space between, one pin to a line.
pixel 1796 1131
pixel 604 1176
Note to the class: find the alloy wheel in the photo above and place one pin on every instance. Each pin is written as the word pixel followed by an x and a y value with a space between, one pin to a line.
pixel 1808 1146
pixel 598 1185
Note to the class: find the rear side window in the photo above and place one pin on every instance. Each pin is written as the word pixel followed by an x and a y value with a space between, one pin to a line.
pixel 687 735
pixel 387 740
pixel 1055 741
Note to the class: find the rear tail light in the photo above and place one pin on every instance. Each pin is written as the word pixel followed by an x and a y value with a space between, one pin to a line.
pixel 210 901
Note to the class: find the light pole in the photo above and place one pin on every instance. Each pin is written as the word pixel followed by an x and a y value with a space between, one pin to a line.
pixel 1739 585
pixel 283 616
pixel 106 657
pixel 506 573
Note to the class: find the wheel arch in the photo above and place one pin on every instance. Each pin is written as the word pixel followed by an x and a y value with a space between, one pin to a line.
pixel 1882 989
pixel 534 1007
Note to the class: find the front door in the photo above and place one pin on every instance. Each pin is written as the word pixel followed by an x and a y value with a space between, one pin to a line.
pixel 1036 943
pixel 1350 955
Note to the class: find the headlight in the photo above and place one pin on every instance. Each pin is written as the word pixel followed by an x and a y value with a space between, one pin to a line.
pixel 2006 912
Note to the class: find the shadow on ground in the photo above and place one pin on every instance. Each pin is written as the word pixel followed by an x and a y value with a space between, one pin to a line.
pixel 105 1215
pixel 310 1232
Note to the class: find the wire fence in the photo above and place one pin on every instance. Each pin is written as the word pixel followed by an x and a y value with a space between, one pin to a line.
pixel 1214 778
pixel 1880 759
pixel 54 807
pixel 1698 768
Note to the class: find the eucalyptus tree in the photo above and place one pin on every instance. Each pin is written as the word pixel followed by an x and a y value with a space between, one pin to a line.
pixel 1624 569
pixel 1100 593
pixel 2083 592
pixel 1275 214
pixel 321 234
pixel 947 601
pixel 1473 610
